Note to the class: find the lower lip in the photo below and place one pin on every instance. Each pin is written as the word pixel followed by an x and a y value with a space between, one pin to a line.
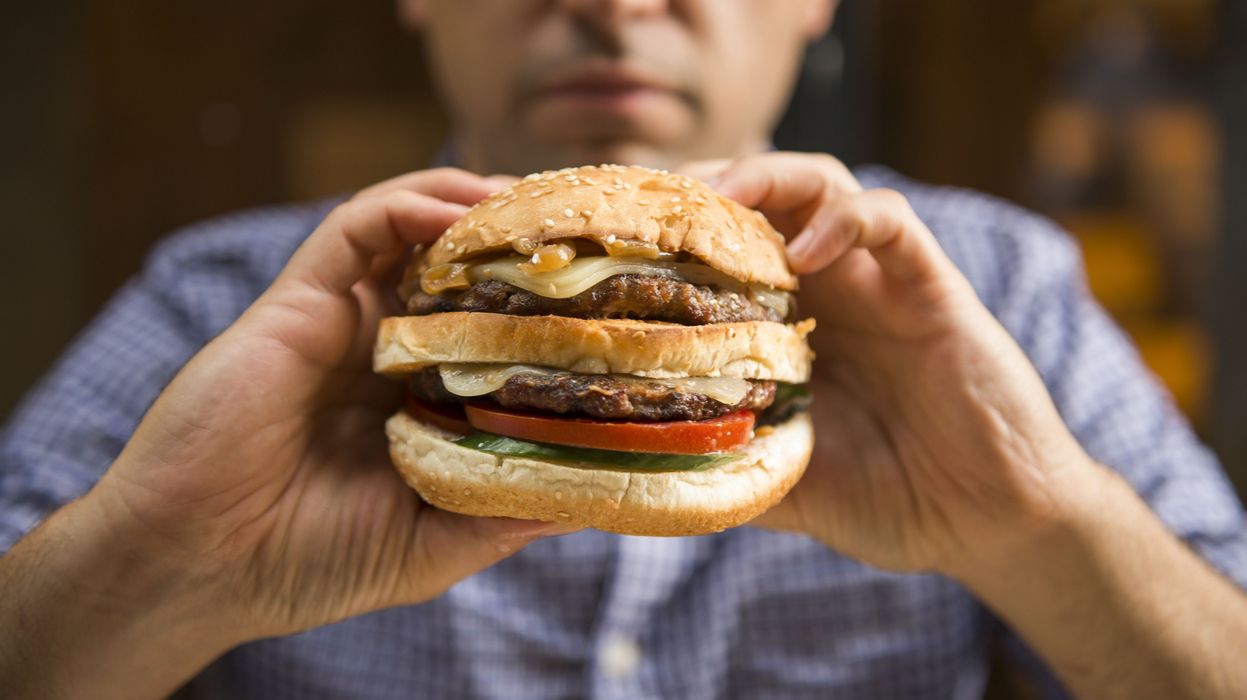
pixel 622 100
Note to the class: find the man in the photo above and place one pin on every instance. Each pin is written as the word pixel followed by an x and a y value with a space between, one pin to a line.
pixel 254 499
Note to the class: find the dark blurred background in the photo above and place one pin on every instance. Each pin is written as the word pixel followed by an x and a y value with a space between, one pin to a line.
pixel 1126 121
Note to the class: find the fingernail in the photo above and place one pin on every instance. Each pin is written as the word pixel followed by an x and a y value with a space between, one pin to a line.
pixel 802 245
pixel 557 529
pixel 534 529
pixel 722 183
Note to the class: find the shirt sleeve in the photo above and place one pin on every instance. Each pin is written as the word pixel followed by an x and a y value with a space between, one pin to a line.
pixel 74 423
pixel 1117 410
pixel 78 418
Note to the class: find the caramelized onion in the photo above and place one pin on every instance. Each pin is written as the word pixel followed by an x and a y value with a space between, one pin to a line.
pixel 442 277
pixel 629 248
pixel 549 258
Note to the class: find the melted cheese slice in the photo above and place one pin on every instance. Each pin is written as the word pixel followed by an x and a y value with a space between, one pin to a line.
pixel 582 273
pixel 477 379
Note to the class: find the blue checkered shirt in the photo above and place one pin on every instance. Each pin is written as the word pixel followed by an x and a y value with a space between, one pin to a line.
pixel 744 613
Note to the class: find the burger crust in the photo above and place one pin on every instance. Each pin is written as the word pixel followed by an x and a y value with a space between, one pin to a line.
pixel 472 482
pixel 675 211
pixel 752 350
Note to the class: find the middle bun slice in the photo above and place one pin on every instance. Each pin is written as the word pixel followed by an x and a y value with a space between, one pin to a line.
pixel 749 350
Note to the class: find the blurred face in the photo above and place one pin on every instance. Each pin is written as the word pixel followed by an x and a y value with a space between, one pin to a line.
pixel 536 84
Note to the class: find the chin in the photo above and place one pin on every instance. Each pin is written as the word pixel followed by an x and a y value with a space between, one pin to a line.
pixel 628 152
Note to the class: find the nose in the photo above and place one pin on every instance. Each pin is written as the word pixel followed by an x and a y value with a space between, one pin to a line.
pixel 608 15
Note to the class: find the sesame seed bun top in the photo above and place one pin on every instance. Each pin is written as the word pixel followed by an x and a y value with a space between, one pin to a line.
pixel 676 212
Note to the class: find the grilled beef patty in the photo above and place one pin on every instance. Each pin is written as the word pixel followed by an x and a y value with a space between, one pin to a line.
pixel 622 296
pixel 600 396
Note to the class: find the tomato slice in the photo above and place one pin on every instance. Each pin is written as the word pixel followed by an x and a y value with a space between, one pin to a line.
pixel 448 417
pixel 675 437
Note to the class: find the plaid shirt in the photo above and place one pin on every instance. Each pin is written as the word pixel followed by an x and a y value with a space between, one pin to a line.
pixel 744 613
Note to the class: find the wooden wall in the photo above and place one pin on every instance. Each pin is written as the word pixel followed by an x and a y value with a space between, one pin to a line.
pixel 128 120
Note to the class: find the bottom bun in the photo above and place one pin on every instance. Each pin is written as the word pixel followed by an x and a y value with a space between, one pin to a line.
pixel 472 482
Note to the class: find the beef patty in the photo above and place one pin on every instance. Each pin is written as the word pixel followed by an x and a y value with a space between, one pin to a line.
pixel 622 296
pixel 601 396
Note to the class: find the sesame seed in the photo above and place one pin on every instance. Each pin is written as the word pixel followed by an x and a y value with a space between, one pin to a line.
pixel 568 213
pixel 548 223
pixel 643 202
pixel 610 239
pixel 535 259
pixel 674 200
pixel 678 209
pixel 586 213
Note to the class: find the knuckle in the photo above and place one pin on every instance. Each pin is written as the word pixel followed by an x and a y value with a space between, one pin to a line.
pixel 831 165
pixel 398 197
pixel 444 172
pixel 343 211
pixel 891 199
pixel 827 160
pixel 852 215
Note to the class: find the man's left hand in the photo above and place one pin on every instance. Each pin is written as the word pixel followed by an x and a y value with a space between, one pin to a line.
pixel 935 438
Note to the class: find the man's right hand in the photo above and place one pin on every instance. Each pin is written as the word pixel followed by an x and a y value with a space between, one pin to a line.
pixel 256 497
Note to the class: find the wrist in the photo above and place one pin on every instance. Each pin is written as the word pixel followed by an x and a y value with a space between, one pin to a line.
pixel 101 614
pixel 154 574
pixel 1073 508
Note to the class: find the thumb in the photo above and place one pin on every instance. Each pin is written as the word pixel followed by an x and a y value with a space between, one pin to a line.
pixel 449 547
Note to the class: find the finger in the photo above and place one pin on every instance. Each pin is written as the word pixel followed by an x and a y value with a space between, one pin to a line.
pixel 782 183
pixel 880 221
pixel 449 547
pixel 708 171
pixel 446 184
pixel 342 250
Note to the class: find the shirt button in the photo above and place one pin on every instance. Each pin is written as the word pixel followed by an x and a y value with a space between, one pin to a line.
pixel 619 656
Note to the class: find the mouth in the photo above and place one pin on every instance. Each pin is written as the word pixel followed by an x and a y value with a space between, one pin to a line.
pixel 608 87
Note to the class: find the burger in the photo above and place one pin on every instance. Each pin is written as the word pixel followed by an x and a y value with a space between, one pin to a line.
pixel 609 347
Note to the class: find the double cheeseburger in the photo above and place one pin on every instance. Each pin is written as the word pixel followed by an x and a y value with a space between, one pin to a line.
pixel 608 347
